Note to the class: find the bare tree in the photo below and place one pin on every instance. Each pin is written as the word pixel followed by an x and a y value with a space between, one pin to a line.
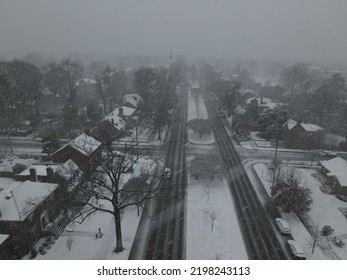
pixel 315 238
pixel 208 191
pixel 106 190
pixel 69 242
pixel 313 155
pixel 200 126
pixel 205 166
pixel 105 86
pixel 276 170
pixel 212 216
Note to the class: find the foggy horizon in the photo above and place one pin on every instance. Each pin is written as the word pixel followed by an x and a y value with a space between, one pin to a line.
pixel 276 30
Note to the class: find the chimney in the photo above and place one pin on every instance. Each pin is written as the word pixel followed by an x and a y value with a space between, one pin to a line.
pixel 120 114
pixel 50 174
pixel 33 174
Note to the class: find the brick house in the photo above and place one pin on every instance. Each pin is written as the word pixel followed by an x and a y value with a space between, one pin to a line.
pixel 301 135
pixel 110 127
pixel 27 209
pixel 82 150
pixel 4 247
pixel 38 172
pixel 335 171
pixel 47 172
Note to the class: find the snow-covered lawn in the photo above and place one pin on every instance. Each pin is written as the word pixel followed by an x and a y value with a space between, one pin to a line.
pixel 198 111
pixel 5 182
pixel 324 211
pixel 6 163
pixel 85 245
pixel 207 201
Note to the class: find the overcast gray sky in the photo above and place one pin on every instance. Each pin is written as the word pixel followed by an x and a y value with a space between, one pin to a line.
pixel 277 29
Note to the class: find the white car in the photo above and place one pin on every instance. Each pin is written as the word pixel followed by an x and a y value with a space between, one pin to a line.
pixel 167 172
pixel 283 226
pixel 296 250
pixel 328 154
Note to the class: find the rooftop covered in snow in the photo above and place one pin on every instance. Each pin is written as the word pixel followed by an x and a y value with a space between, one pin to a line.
pixel 83 143
pixel 15 200
pixel 133 99
pixel 41 169
pixel 309 127
pixel 115 119
pixel 263 102
pixel 337 167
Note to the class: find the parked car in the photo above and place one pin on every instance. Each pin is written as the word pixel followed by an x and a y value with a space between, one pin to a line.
pixel 283 226
pixel 328 154
pixel 296 250
pixel 167 172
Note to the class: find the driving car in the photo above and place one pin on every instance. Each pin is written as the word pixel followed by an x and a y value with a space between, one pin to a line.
pixel 283 226
pixel 296 250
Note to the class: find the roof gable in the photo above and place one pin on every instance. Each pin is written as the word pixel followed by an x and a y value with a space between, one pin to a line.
pixel 83 143
pixel 309 127
pixel 337 167
pixel 15 201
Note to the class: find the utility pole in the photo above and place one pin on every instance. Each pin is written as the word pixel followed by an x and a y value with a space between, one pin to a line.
pixel 9 140
pixel 137 144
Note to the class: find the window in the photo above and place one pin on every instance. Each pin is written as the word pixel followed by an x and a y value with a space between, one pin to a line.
pixel 33 231
pixel 44 219
pixel 30 217
pixel 13 225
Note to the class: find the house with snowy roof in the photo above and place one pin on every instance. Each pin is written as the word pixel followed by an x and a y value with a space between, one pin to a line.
pixel 263 102
pixel 299 135
pixel 132 100
pixel 111 126
pixel 48 172
pixel 82 150
pixel 335 171
pixel 27 212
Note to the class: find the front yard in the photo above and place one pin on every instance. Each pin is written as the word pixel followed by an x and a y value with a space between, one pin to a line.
pixel 324 211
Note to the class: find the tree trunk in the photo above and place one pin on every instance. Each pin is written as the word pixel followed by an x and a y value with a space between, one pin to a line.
pixel 105 107
pixel 117 221
pixel 159 133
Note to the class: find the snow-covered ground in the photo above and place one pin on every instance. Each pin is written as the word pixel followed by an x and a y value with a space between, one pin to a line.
pixel 324 211
pixel 6 163
pixel 198 111
pixel 210 203
pixel 207 201
pixel 85 246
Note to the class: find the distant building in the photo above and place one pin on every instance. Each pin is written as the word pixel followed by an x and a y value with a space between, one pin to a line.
pixel 132 100
pixel 263 102
pixel 82 150
pixel 299 135
pixel 335 171
pixel 111 126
